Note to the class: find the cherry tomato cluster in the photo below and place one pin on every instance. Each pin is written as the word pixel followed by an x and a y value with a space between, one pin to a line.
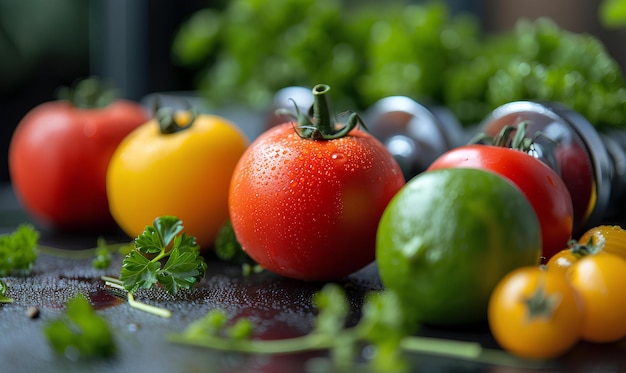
pixel 542 312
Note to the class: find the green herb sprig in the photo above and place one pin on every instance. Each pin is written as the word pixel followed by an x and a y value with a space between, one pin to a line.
pixel 379 327
pixel 228 249
pixel 184 266
pixel 80 332
pixel 18 250
pixel 163 254
pixel 3 293
pixel 103 255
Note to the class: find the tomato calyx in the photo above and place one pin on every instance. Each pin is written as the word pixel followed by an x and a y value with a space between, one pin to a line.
pixel 89 93
pixel 321 126
pixel 589 248
pixel 519 141
pixel 540 304
pixel 166 117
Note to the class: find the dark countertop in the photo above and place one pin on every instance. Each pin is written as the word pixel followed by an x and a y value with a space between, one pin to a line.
pixel 280 307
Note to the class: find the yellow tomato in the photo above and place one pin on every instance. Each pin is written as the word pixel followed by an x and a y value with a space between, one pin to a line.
pixel 611 238
pixel 599 279
pixel 535 313
pixel 181 169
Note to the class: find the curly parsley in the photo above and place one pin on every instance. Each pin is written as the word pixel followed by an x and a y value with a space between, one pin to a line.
pixel 18 250
pixel 184 266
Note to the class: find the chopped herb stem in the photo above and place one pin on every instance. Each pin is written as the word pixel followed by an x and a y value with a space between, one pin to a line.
pixel 157 311
pixel 440 346
pixel 117 284
pixel 308 342
pixel 79 254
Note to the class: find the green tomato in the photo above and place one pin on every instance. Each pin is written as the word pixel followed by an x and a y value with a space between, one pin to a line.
pixel 447 238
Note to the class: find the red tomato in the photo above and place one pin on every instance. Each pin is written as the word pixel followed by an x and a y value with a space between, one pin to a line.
pixel 540 184
pixel 58 160
pixel 309 209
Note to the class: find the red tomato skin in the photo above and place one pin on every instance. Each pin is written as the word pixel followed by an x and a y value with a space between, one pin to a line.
pixel 543 187
pixel 309 209
pixel 58 159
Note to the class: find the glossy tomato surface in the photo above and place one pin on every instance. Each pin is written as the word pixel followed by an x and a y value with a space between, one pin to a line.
pixel 184 174
pixel 544 188
pixel 536 314
pixel 599 279
pixel 309 209
pixel 58 159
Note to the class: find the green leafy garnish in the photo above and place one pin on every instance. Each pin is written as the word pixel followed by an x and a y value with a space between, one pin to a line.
pixel 378 327
pixel 80 332
pixel 103 255
pixel 228 249
pixel 18 250
pixel 142 267
pixel 3 293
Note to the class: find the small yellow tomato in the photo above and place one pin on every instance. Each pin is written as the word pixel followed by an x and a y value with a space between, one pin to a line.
pixel 535 313
pixel 611 238
pixel 175 165
pixel 599 279
pixel 575 251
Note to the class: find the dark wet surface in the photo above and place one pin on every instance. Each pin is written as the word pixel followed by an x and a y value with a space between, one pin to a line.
pixel 279 307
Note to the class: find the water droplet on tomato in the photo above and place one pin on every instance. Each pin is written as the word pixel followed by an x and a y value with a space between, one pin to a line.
pixel 338 156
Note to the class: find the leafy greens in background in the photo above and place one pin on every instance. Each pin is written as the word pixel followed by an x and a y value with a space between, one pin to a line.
pixel 613 13
pixel 247 50
pixel 538 60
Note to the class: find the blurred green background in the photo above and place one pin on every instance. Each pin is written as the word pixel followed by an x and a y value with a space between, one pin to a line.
pixel 45 44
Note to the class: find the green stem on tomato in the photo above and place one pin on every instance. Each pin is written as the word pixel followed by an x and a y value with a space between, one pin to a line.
pixel 321 110
pixel 321 126
pixel 89 93
pixel 166 117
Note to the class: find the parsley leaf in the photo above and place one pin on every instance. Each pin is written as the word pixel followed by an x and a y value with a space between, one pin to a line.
pixel 142 267
pixel 138 272
pixel 18 250
pixel 3 293
pixel 80 332
pixel 103 255
pixel 228 249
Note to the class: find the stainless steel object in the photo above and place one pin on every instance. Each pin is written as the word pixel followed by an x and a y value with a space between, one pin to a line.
pixel 415 134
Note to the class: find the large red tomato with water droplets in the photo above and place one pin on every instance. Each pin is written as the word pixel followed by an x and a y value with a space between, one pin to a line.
pixel 309 209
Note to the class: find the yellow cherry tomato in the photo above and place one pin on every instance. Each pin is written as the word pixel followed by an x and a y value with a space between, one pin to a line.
pixel 562 260
pixel 176 165
pixel 535 313
pixel 600 279
pixel 575 251
pixel 611 238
